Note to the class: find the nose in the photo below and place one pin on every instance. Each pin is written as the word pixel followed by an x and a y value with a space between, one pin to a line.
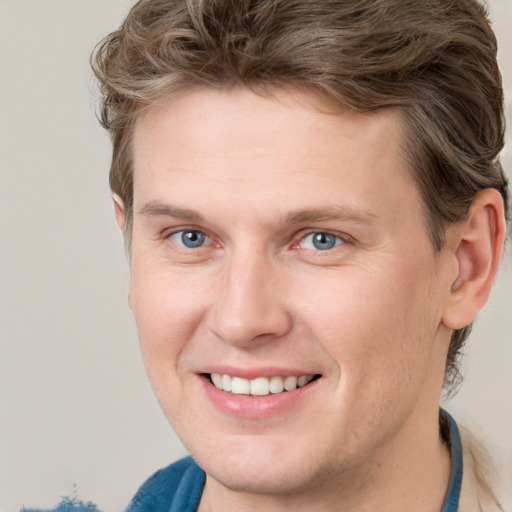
pixel 250 302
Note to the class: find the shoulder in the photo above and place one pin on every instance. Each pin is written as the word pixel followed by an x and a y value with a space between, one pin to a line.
pixel 487 478
pixel 175 487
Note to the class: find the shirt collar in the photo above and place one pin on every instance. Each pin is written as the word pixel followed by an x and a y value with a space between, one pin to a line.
pixel 451 501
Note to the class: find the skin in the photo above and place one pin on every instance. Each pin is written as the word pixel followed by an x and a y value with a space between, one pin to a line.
pixel 373 314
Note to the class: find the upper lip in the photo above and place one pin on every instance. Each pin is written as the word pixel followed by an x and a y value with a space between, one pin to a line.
pixel 253 373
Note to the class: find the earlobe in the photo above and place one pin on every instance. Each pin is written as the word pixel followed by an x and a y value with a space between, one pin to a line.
pixel 477 245
pixel 119 211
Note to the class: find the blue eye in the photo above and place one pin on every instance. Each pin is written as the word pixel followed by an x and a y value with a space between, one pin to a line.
pixel 189 238
pixel 320 241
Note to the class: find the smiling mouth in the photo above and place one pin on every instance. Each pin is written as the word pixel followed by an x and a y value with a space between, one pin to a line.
pixel 261 386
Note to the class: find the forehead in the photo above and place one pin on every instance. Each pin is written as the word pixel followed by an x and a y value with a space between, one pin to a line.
pixel 239 118
pixel 286 150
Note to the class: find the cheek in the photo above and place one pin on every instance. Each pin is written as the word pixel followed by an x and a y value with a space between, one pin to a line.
pixel 167 310
pixel 166 318
pixel 377 329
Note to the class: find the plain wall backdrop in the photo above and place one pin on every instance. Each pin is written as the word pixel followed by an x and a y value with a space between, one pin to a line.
pixel 76 411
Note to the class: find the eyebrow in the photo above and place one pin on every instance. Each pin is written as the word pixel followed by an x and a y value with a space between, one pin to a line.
pixel 345 213
pixel 156 209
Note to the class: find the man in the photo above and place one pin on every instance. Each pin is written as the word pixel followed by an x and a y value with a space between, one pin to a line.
pixel 315 212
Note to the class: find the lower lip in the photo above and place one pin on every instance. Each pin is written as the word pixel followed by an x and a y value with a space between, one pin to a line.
pixel 255 407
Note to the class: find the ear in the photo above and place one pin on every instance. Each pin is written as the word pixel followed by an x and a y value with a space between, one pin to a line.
pixel 119 211
pixel 121 222
pixel 477 245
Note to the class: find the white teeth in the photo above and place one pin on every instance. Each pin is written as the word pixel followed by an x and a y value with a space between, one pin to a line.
pixel 217 380
pixel 303 380
pixel 226 383
pixel 290 383
pixel 260 386
pixel 276 385
pixel 240 386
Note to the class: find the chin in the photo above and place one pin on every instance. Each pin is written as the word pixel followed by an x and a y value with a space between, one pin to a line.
pixel 258 471
pixel 260 480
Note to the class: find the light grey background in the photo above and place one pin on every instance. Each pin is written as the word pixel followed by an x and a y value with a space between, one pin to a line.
pixel 76 412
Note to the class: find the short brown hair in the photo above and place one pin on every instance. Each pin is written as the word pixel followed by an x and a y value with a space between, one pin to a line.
pixel 435 60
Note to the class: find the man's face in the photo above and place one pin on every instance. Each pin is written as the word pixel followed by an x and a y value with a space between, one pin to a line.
pixel 272 241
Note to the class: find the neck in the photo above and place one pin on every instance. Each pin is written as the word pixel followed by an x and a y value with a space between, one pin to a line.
pixel 411 472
